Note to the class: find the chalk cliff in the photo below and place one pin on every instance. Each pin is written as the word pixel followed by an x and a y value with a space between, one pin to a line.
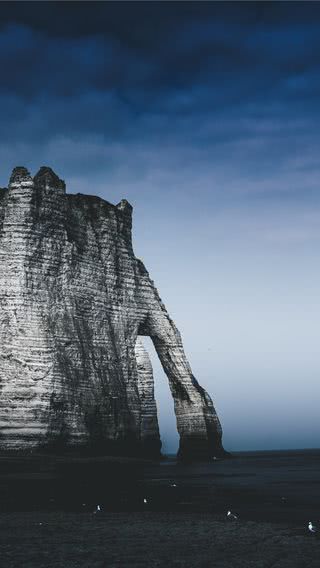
pixel 73 302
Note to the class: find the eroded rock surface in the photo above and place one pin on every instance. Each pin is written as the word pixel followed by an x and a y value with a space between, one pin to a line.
pixel 73 301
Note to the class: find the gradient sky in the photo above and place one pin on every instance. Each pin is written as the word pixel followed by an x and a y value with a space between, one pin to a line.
pixel 205 116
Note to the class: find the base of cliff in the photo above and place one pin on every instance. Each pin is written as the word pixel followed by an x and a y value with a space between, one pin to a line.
pixel 195 449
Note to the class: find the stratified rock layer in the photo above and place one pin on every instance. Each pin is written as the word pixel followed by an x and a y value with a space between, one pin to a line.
pixel 73 301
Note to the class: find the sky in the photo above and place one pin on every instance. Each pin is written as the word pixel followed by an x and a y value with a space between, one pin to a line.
pixel 205 116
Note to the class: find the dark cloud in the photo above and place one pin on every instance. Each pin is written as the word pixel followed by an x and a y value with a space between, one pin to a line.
pixel 63 47
pixel 210 82
pixel 142 23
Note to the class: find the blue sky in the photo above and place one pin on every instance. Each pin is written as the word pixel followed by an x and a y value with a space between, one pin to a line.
pixel 205 116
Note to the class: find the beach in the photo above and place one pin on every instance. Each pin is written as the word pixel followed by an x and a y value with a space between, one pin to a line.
pixel 160 514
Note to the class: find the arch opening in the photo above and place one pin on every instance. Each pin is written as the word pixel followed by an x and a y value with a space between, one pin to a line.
pixel 164 402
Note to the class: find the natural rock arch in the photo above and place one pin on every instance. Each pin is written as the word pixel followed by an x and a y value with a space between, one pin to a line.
pixel 73 300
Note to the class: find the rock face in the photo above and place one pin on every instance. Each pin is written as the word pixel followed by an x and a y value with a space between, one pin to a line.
pixel 73 302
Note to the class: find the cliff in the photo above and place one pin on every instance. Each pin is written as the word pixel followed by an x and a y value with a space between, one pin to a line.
pixel 73 302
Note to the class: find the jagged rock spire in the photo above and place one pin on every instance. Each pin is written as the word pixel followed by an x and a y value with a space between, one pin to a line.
pixel 124 205
pixel 20 175
pixel 46 177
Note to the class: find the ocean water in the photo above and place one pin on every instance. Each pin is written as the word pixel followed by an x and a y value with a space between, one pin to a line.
pixel 276 486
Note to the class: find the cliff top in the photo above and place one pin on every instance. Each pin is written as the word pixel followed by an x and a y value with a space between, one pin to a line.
pixel 46 178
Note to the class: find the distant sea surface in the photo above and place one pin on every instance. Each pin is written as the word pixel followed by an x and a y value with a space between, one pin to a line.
pixel 279 485
pixel 276 486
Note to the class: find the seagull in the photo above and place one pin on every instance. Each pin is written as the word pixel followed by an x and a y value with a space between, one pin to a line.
pixel 98 510
pixel 173 485
pixel 312 528
pixel 231 516
pixel 145 501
